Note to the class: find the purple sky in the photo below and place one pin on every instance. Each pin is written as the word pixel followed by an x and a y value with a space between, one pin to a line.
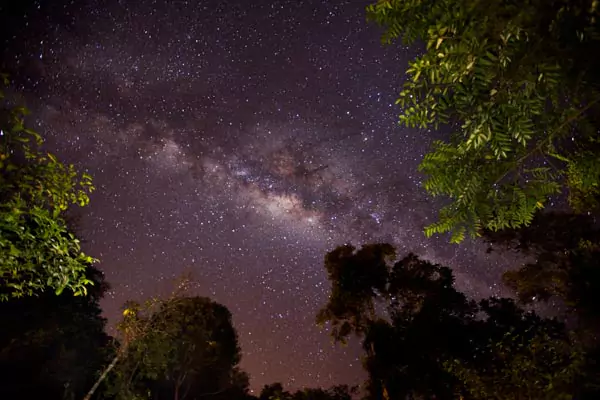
pixel 238 141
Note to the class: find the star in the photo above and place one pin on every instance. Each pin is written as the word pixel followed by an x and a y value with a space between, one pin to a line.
pixel 240 142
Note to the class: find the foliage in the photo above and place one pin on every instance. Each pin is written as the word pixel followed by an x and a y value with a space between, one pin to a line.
pixel 404 354
pixel 524 357
pixel 356 278
pixel 52 347
pixel 185 348
pixel 275 391
pixel 402 309
pixel 563 262
pixel 515 81
pixel 37 250
pixel 516 368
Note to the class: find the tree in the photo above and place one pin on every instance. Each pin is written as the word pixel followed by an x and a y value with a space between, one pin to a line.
pixel 424 339
pixel 561 253
pixel 37 250
pixel 275 391
pixel 518 355
pixel 516 84
pixel 188 350
pixel 52 346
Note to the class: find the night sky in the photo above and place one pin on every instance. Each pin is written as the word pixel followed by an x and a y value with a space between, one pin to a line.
pixel 238 141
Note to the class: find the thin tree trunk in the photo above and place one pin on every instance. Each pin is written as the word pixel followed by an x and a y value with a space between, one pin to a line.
pixel 178 384
pixel 101 378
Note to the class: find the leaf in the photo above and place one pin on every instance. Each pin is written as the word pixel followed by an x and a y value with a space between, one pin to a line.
pixel 439 42
pixel 416 76
pixel 507 106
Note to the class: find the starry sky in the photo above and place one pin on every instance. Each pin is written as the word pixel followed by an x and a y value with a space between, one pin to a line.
pixel 237 141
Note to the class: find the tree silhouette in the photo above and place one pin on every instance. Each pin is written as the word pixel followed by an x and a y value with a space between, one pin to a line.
pixel 52 347
pixel 562 260
pixel 275 391
pixel 424 339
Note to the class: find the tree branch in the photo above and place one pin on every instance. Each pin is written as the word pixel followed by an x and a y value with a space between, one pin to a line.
pixel 101 378
pixel 538 147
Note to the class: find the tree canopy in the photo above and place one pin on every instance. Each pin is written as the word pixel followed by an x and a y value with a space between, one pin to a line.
pixel 560 253
pixel 188 350
pixel 37 250
pixel 516 83
pixel 425 339
pixel 275 391
pixel 52 347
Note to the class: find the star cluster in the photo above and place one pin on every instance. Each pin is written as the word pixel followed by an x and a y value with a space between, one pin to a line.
pixel 238 141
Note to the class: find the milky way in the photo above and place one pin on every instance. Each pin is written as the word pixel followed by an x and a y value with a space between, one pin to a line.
pixel 238 141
